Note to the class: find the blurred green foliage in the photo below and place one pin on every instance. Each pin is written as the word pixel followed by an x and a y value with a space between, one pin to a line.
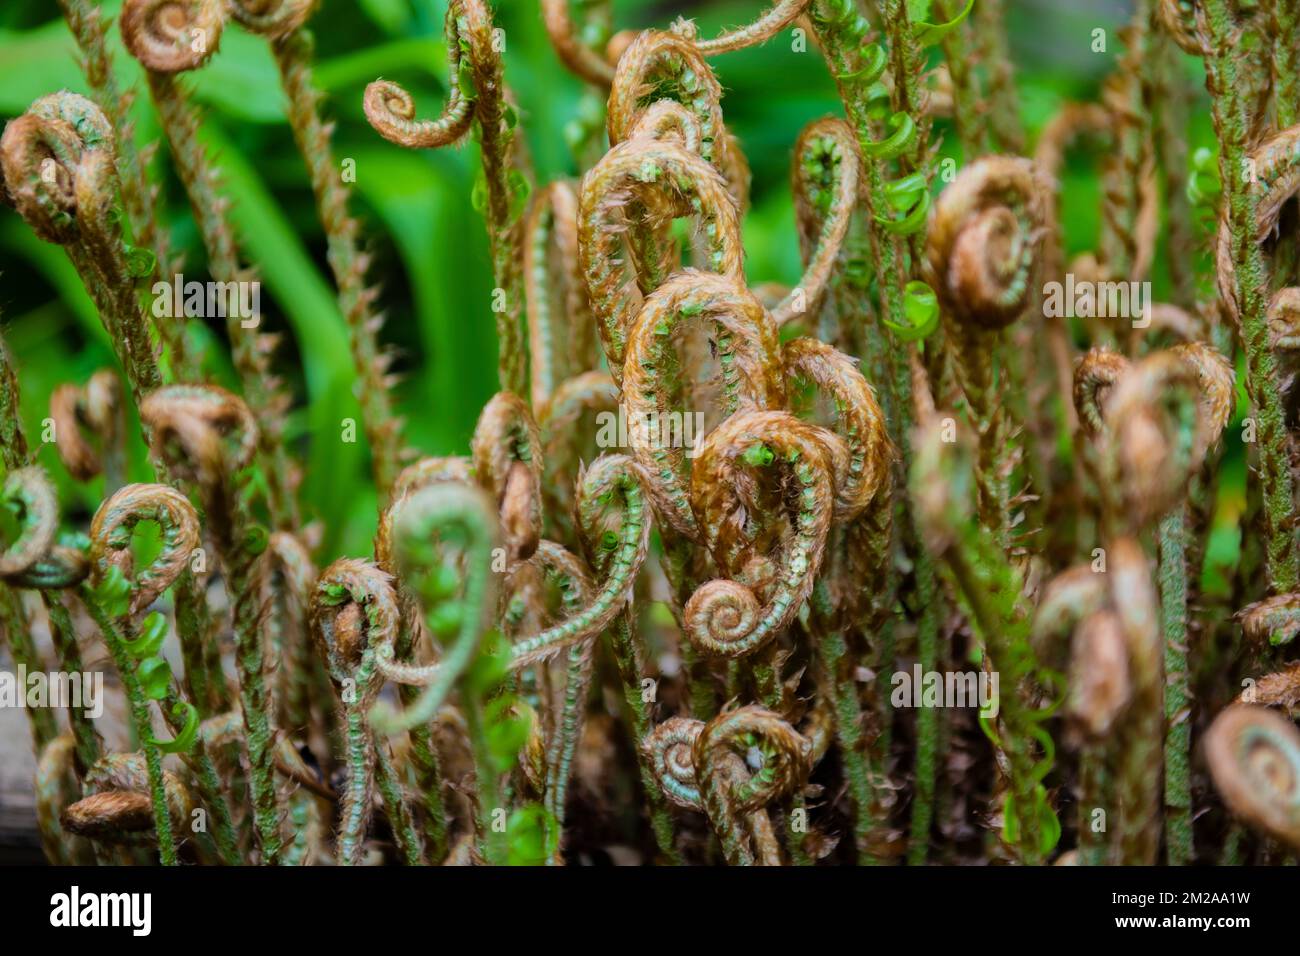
pixel 430 248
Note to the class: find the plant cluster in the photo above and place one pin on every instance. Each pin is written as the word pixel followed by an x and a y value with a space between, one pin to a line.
pixel 910 462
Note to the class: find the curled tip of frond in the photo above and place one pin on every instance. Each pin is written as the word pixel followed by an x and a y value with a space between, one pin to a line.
pixel 1274 620
pixel 670 66
pixel 982 247
pixel 390 109
pixel 1147 413
pixel 205 432
pixel 51 173
pixel 353 612
pixel 865 469
pixel 170 36
pixel 115 521
pixel 1095 374
pixel 826 163
pixel 29 494
pixel 780 16
pixel 98 407
pixel 671 749
pixel 1254 758
pixel 784 755
pixel 765 463
pixel 273 18
pixel 117 807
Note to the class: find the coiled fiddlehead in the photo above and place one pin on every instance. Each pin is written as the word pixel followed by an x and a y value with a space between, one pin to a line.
pixel 749 364
pixel 171 36
pixel 354 613
pixel 981 260
pixel 391 111
pixel 117 807
pixel 112 562
pixel 1254 758
pixel 59 168
pixel 744 760
pixel 28 495
pixel 115 523
pixel 859 421
pixel 826 175
pixel 670 750
pixel 627 171
pixel 98 407
pixel 419 519
pixel 724 617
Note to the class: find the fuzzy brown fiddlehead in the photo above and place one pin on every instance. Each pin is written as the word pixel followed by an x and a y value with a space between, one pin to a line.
pixel 670 750
pixel 1254 758
pixel 859 421
pixel 745 339
pixel 391 111
pixel 610 192
pixel 656 66
pixel 744 518
pixel 826 152
pixel 982 260
pixel 117 808
pixel 115 523
pixel 354 613
pixel 171 36
pixel 1162 415
pixel 29 496
pixel 744 760
pixel 59 170
pixel 97 408
pixel 768 25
